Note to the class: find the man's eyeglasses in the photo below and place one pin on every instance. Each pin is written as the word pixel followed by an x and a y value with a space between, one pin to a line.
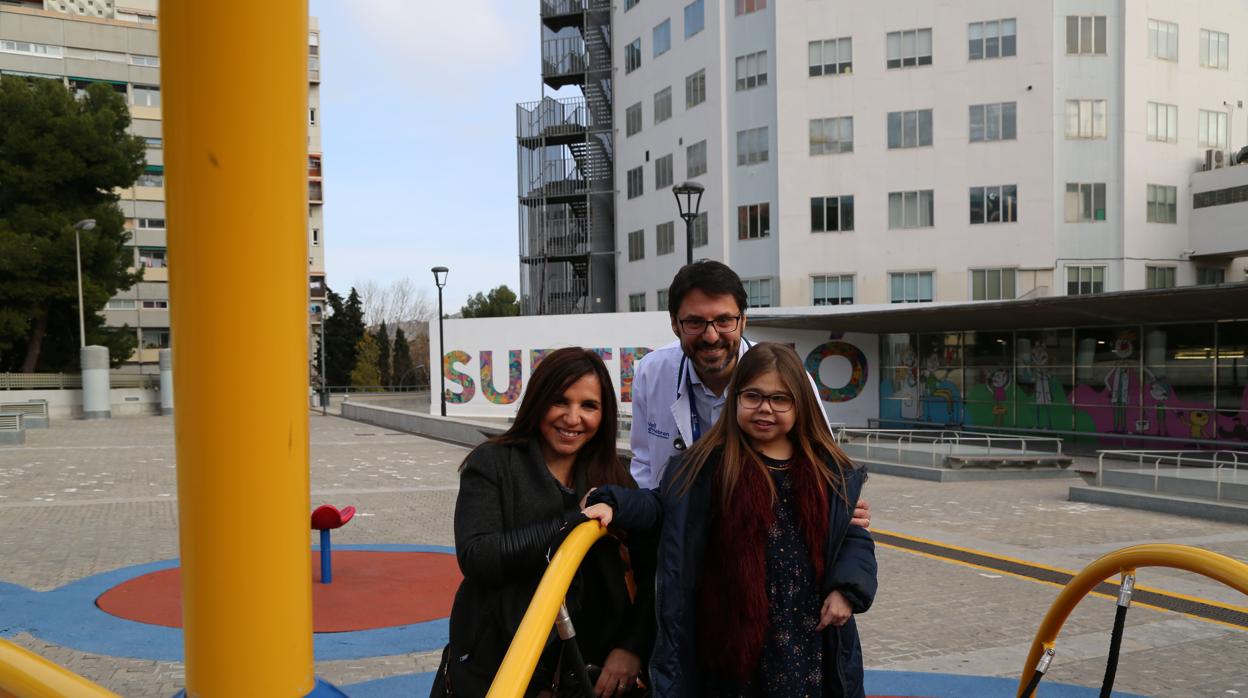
pixel 752 400
pixel 723 325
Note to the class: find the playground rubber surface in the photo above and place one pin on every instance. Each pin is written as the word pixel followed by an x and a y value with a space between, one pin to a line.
pixel 370 590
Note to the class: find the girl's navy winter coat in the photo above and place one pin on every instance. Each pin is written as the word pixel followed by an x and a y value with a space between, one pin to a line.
pixel 685 523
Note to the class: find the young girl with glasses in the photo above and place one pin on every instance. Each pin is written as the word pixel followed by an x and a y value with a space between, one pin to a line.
pixel 759 570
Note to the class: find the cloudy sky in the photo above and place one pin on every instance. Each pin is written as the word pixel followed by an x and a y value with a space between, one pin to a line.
pixel 418 131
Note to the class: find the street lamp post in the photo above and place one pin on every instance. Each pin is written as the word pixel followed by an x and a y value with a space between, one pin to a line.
pixel 688 201
pixel 324 385
pixel 439 278
pixel 84 224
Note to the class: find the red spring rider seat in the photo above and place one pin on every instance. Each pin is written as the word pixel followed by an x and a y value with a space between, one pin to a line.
pixel 325 519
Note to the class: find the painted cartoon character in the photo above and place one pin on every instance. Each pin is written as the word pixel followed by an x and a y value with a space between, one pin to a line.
pixel 906 383
pixel 935 385
pixel 1044 386
pixel 998 381
pixel 1160 391
pixel 1118 381
pixel 1196 421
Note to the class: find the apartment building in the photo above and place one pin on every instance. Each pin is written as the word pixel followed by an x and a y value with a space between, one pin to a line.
pixel 86 41
pixel 901 151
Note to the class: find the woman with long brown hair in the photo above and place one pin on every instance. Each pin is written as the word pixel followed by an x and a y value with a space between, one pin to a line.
pixel 516 492
pixel 759 570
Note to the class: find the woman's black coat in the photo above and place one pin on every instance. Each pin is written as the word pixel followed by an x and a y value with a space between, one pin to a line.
pixel 509 511
pixel 685 530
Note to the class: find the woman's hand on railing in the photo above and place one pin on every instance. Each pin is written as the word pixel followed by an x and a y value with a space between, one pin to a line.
pixel 619 672
pixel 602 513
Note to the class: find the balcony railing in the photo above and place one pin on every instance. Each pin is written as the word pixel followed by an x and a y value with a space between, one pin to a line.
pixel 552 117
pixel 557 237
pixel 554 8
pixel 557 178
pixel 564 56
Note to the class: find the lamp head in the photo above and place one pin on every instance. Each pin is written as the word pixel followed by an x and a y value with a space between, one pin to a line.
pixel 439 275
pixel 85 224
pixel 688 199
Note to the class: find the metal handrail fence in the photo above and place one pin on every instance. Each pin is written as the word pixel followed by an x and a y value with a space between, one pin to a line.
pixel 1205 460
pixel 945 442
pixel 73 381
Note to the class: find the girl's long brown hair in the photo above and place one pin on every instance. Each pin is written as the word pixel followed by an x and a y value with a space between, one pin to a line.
pixel 811 437
pixel 554 375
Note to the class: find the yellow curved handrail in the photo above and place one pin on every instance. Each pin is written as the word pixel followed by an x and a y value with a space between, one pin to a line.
pixel 1229 571
pixel 521 659
pixel 24 674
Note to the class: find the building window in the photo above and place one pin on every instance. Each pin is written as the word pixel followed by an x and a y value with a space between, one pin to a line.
pixel 1163 40
pixel 1215 49
pixel 1085 118
pixel 145 96
pixel 910 287
pixel 830 214
pixel 745 7
pixel 695 160
pixel 831 56
pixel 1158 277
pixel 153 176
pixel 151 223
pixel 1162 204
pixel 753 221
pixel 662 105
pixel 695 89
pixel 663 172
pixel 994 204
pixel 911 209
pixel 1211 129
pixel 155 305
pixel 992 284
pixel 751 70
pixel 661 38
pixel 148 61
pixel 909 129
pixel 758 292
pixel 995 39
pixel 33 49
pixel 636 302
pixel 660 299
pixel 1085 34
pixel 1220 197
pixel 832 289
pixel 156 338
pixel 635 182
pixel 1210 275
pixel 994 122
pixel 316 237
pixel 665 238
pixel 632 56
pixel 630 4
pixel 701 231
pixel 154 143
pixel 154 257
pixel 636 245
pixel 315 191
pixel 1085 202
pixel 752 146
pixel 695 18
pixel 311 116
pixel 632 119
pixel 314 165
pixel 119 304
pixel 1082 280
pixel 834 135
pixel 1163 122
pixel 909 48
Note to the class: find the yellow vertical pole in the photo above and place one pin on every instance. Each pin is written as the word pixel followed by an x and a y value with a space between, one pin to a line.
pixel 234 84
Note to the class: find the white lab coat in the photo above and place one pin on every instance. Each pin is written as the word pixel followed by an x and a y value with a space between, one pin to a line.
pixel 661 412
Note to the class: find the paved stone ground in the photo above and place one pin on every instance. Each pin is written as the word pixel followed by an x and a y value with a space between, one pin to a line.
pixel 88 497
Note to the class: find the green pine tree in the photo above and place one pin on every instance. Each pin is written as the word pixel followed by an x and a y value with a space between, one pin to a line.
pixel 500 302
pixel 365 373
pixel 383 356
pixel 62 160
pixel 404 371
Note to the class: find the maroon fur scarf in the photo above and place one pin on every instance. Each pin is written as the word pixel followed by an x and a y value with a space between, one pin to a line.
pixel 733 605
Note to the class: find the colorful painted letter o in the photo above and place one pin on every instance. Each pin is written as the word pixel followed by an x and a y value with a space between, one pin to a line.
pixel 858 366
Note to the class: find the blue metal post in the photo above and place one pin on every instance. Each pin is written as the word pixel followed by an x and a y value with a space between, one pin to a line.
pixel 327 570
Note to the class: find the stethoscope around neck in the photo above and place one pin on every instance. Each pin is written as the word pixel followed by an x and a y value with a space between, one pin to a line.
pixel 683 379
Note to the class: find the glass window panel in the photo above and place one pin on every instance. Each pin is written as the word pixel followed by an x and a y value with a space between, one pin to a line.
pixel 1007 283
pixel 1009 121
pixel 992 46
pixel 1172 123
pixel 977 205
pixel 1224 51
pixel 977 285
pixel 847 213
pixel 898 293
pixel 1072 34
pixel 907 48
pixel 815 57
pixel 925 209
pixel 992 206
pixel 976 41
pixel 1098 191
pixel 1152 121
pixel 925 45
pixel 1100 34
pixel 894 50
pixel 925 286
pixel 1008 38
pixel 912 209
pixel 847 134
pixel 977 122
pixel 909 127
pixel 1085 35
pixel 992 118
pixel 925 127
pixel 1072 202
pixel 894 129
pixel 895 219
pixel 1009 198
pixel 832 215
pixel 816 214
pixel 993 285
pixel 1172 42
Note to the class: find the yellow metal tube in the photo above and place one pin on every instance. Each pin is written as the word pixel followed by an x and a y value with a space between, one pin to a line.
pixel 235 93
pixel 1229 571
pixel 24 674
pixel 517 668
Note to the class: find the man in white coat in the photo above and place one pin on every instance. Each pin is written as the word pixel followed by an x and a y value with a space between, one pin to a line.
pixel 679 389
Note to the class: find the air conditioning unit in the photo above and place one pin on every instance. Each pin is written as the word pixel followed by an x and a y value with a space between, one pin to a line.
pixel 1218 157
pixel 1208 159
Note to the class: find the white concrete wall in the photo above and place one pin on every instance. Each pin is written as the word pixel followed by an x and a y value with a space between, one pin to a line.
pixel 67 404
